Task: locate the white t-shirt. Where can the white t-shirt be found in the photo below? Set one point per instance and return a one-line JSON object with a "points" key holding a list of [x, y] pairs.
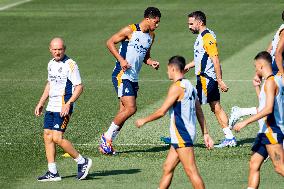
{"points": [[63, 76]]}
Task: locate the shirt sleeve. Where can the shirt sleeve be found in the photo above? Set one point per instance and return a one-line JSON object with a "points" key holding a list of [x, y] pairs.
{"points": [[210, 45], [74, 74]]}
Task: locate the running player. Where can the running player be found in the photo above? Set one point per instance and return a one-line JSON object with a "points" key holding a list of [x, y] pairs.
{"points": [[136, 41], [276, 50], [63, 88], [182, 101], [208, 72], [271, 116]]}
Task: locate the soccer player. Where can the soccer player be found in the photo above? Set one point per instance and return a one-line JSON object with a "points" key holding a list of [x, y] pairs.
{"points": [[182, 101], [136, 41], [63, 88], [208, 72], [276, 50], [270, 115]]}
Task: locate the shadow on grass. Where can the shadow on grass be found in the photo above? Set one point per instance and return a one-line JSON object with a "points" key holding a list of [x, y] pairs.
{"points": [[114, 172], [153, 149], [96, 174], [245, 141]]}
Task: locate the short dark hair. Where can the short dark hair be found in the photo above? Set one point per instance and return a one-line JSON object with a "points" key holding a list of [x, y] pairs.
{"points": [[177, 61], [152, 12], [198, 15], [264, 55], [283, 15]]}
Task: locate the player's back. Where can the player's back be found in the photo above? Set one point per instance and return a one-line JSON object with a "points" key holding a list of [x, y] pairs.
{"points": [[183, 114]]}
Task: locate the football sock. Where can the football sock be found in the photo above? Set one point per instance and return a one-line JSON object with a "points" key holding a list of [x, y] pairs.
{"points": [[228, 133], [52, 167], [248, 111], [250, 188], [80, 159], [113, 127], [114, 135]]}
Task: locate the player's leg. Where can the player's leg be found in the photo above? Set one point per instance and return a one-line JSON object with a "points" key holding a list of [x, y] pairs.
{"points": [[50, 150], [222, 118], [186, 157], [276, 154], [255, 163], [237, 113], [168, 168], [84, 164]]}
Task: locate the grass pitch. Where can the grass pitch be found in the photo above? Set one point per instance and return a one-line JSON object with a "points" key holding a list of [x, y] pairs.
{"points": [[242, 29]]}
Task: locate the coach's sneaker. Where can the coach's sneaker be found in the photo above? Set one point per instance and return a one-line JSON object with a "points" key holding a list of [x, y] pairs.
{"points": [[106, 146], [227, 142], [49, 176], [166, 140], [234, 117], [83, 169]]}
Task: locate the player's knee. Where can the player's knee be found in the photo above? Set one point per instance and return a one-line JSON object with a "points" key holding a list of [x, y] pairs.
{"points": [[190, 171], [253, 166], [167, 168], [47, 136], [57, 139], [132, 110]]}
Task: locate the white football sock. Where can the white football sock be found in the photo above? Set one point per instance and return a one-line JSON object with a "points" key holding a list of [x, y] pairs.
{"points": [[250, 188], [228, 133], [113, 127], [248, 111], [80, 159], [52, 167], [114, 135]]}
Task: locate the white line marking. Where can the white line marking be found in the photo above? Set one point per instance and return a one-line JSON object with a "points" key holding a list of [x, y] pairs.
{"points": [[109, 81], [13, 5], [90, 144]]}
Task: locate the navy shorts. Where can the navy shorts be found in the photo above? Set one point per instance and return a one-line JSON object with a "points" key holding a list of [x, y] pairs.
{"points": [[262, 139], [125, 87], [207, 89], [53, 121], [183, 145]]}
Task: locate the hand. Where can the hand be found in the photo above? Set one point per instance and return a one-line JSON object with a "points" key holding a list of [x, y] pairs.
{"points": [[209, 143], [38, 110], [65, 110], [139, 123], [223, 86], [239, 126], [256, 81], [186, 68], [155, 64], [124, 65]]}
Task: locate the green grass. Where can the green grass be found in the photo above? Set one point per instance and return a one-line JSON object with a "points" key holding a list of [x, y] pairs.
{"points": [[242, 29]]}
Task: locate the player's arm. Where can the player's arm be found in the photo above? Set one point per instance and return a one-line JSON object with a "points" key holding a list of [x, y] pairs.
{"points": [[218, 71], [123, 34], [148, 60], [44, 96], [210, 46], [78, 89], [270, 91], [189, 66], [269, 48], [279, 53], [200, 117], [173, 94]]}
